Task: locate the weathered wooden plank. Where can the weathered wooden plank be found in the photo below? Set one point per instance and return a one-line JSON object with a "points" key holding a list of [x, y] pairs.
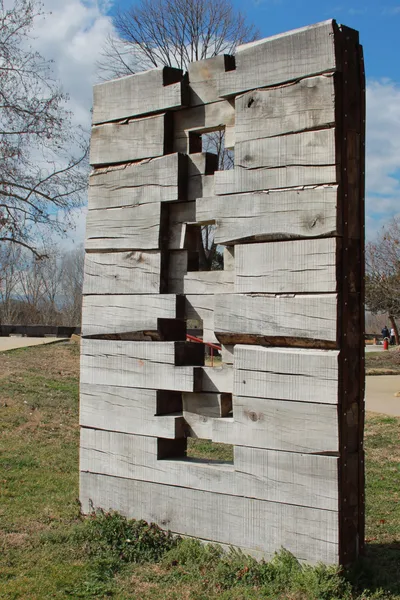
{"points": [[143, 93], [131, 410], [199, 120], [180, 214], [227, 354], [136, 139], [307, 149], [216, 379], [150, 365], [229, 258], [126, 228], [204, 76], [271, 216], [177, 269], [281, 58], [240, 180], [200, 308], [306, 317], [155, 180], [302, 375], [264, 474], [280, 425], [122, 273], [208, 282], [207, 405], [304, 266], [118, 314], [200, 186], [201, 168], [305, 104], [310, 534]]}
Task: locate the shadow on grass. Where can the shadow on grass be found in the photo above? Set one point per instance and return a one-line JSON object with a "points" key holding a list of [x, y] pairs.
{"points": [[378, 568]]}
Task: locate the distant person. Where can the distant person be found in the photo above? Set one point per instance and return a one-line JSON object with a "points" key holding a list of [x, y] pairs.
{"points": [[385, 332], [392, 337]]}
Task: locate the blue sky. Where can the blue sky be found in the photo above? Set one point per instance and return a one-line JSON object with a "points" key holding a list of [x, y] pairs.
{"points": [[76, 30]]}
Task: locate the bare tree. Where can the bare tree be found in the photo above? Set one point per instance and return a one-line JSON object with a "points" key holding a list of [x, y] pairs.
{"points": [[382, 282], [71, 269], [153, 33], [10, 262], [42, 156]]}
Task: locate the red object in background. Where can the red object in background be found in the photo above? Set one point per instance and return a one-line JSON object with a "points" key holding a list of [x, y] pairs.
{"points": [[386, 344]]}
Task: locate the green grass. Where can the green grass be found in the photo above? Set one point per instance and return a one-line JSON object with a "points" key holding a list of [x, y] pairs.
{"points": [[47, 550], [383, 362]]}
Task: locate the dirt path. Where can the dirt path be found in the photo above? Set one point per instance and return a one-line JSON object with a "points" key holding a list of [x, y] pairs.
{"points": [[380, 394], [10, 343]]}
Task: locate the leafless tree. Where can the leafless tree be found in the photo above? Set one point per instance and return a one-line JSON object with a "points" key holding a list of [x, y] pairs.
{"points": [[71, 269], [10, 259], [42, 156]]}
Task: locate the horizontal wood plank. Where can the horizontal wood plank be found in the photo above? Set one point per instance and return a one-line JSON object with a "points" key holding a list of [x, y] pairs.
{"points": [[271, 216], [301, 266], [305, 104], [122, 273], [208, 282], [180, 214], [216, 379], [302, 375], [310, 534], [204, 76], [207, 404], [151, 91], [201, 119]]}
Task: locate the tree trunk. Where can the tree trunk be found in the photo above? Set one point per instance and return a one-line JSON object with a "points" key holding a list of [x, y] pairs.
{"points": [[396, 331]]}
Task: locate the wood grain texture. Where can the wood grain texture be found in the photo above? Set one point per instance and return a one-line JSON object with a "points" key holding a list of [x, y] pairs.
{"points": [[199, 120], [227, 354], [271, 216], [152, 91], [208, 282], [204, 76], [280, 425], [304, 266], [242, 180], [116, 314], [127, 228], [180, 214], [305, 104], [281, 58], [264, 474], [207, 405], [310, 534], [130, 140], [122, 273], [301, 375], [312, 317], [129, 410], [308, 149], [149, 365], [216, 379], [154, 180]]}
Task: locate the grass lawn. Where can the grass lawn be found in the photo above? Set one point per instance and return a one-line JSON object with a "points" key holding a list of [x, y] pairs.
{"points": [[383, 362], [49, 551]]}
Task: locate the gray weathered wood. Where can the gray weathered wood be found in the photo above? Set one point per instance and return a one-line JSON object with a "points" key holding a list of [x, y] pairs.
{"points": [[199, 120], [180, 214], [302, 375], [280, 425], [227, 353], [240, 180], [285, 57], [200, 186], [229, 258], [151, 91], [149, 365], [310, 534], [115, 314], [122, 273], [204, 76], [130, 140], [308, 317], [207, 405], [126, 228], [307, 149], [264, 474], [129, 410], [305, 104], [271, 216], [208, 282], [201, 167], [177, 269], [304, 266], [216, 379], [154, 180]]}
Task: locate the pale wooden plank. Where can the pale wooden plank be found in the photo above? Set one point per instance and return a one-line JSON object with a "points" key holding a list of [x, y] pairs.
{"points": [[229, 258], [139, 94], [200, 308], [302, 375], [280, 425], [149, 365], [271, 216], [204, 76], [216, 379], [198, 426], [200, 186], [126, 228], [153, 180], [227, 353], [202, 163], [130, 140], [208, 282], [310, 534], [309, 317], [240, 180], [305, 104], [180, 214], [129, 410], [308, 149], [304, 266], [264, 474], [122, 273], [199, 120], [281, 58], [115, 314], [207, 405]]}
